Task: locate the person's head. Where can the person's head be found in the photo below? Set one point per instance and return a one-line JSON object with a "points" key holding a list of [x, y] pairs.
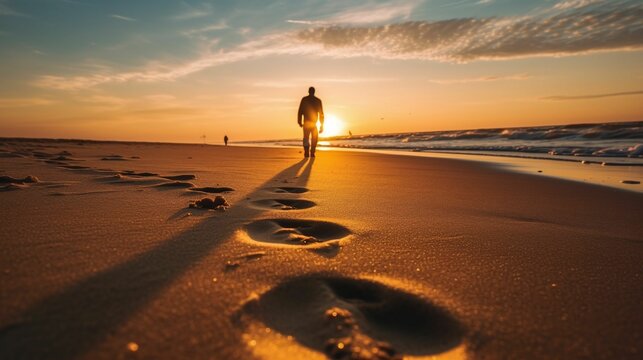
{"points": [[311, 90]]}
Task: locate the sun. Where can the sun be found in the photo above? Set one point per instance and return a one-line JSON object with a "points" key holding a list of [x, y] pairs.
{"points": [[333, 126]]}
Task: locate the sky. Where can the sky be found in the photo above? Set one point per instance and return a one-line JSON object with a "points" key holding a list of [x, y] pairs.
{"points": [[168, 70]]}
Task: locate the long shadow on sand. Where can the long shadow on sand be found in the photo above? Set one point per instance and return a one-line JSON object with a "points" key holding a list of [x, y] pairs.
{"points": [[69, 323]]}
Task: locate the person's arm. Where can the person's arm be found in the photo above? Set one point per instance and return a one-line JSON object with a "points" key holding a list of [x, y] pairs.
{"points": [[300, 112], [321, 117]]}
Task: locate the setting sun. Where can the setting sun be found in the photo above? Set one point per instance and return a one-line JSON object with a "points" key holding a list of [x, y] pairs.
{"points": [[333, 126]]}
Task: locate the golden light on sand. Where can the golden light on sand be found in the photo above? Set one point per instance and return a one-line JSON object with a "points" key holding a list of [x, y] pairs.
{"points": [[333, 126]]}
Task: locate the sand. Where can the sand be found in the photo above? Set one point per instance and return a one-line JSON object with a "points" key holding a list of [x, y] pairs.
{"points": [[350, 255]]}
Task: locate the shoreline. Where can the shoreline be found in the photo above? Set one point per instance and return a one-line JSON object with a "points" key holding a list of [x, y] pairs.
{"points": [[619, 176], [563, 169]]}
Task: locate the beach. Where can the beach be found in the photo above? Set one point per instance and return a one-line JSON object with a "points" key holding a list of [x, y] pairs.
{"points": [[347, 255]]}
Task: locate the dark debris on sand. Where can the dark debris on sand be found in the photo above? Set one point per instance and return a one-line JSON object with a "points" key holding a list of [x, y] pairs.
{"points": [[218, 203], [29, 179], [631, 182], [9, 183]]}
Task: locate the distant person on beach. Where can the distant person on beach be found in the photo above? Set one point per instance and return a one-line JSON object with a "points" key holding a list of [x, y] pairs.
{"points": [[311, 109], [225, 140]]}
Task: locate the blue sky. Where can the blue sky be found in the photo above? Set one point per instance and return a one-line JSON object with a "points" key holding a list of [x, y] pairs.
{"points": [[210, 65]]}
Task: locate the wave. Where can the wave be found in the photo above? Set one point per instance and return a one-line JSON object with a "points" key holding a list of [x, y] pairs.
{"points": [[627, 130], [608, 140]]}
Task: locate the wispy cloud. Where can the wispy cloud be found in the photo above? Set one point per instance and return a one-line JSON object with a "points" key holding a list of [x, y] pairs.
{"points": [[104, 100], [193, 12], [291, 83], [5, 10], [160, 98], [574, 4], [367, 14], [121, 17], [221, 25], [592, 96], [24, 102], [488, 78], [614, 26], [170, 111]]}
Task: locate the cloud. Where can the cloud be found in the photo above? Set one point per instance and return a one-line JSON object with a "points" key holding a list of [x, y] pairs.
{"points": [[221, 25], [121, 17], [592, 96], [305, 22], [268, 45], [193, 12], [24, 102], [160, 98], [167, 111], [104, 100], [367, 14], [308, 81], [5, 10], [614, 26], [574, 4], [480, 79]]}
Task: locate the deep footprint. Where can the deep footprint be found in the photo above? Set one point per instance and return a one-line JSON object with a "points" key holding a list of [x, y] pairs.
{"points": [[283, 204], [294, 231], [180, 177], [346, 318], [289, 190]]}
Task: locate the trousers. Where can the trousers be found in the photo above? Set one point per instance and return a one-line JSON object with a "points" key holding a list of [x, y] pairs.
{"points": [[310, 136]]}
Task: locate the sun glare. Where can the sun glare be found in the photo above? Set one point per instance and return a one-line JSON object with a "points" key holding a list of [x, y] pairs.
{"points": [[333, 126]]}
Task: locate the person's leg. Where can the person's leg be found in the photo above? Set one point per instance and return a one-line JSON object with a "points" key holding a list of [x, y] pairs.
{"points": [[306, 142], [314, 134]]}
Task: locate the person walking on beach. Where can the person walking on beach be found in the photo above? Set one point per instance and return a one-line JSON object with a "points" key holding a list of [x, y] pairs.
{"points": [[310, 108], [225, 140]]}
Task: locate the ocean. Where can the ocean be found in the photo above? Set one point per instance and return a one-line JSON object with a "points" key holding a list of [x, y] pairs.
{"points": [[607, 144]]}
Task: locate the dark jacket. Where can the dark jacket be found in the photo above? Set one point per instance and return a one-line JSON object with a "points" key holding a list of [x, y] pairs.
{"points": [[310, 107]]}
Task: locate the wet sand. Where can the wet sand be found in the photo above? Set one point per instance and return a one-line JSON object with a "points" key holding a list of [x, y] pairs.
{"points": [[349, 255]]}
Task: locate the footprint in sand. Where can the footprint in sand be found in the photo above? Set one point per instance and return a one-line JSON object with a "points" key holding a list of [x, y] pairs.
{"points": [[8, 183], [346, 318], [175, 185], [118, 179], [114, 158], [283, 204], [180, 177], [213, 190], [289, 190], [139, 174], [74, 167], [295, 232]]}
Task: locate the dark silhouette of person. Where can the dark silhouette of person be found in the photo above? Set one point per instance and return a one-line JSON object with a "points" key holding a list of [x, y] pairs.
{"points": [[310, 108], [225, 140]]}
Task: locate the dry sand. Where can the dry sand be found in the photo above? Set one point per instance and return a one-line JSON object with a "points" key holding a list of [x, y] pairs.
{"points": [[349, 255]]}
